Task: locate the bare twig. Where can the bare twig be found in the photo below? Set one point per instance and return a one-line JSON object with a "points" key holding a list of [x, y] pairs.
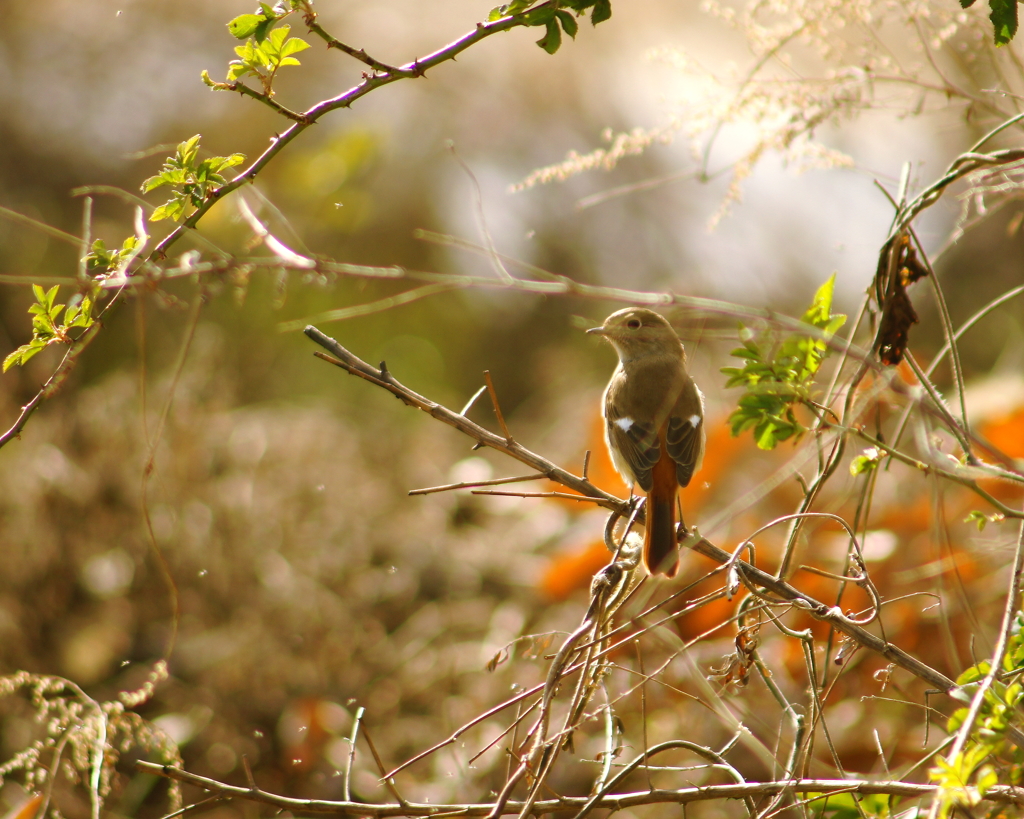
{"points": [[389, 782], [999, 794], [350, 759], [448, 487]]}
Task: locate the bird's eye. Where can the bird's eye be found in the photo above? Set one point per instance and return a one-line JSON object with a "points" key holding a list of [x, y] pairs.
{"points": [[633, 324]]}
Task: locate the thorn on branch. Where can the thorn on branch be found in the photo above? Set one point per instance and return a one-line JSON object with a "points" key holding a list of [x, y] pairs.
{"points": [[248, 774], [497, 407]]}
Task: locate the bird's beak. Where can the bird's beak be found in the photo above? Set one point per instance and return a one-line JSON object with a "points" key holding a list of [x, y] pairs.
{"points": [[598, 331]]}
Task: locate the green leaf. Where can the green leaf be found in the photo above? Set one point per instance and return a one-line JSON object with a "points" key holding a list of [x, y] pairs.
{"points": [[987, 779], [1003, 14], [244, 25], [23, 353], [866, 462], [821, 306], [552, 39], [569, 24], [973, 674], [169, 210], [236, 70], [540, 16], [294, 46], [276, 39], [47, 298], [155, 182], [978, 518], [766, 438], [602, 11], [187, 150], [260, 34], [246, 51]]}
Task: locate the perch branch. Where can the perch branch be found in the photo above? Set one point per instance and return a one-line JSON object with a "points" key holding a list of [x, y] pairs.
{"points": [[355, 366]]}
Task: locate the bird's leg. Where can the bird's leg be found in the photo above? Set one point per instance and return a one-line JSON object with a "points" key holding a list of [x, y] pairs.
{"points": [[680, 527]]}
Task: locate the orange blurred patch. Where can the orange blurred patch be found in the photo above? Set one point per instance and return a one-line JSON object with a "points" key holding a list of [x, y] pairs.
{"points": [[708, 618], [27, 809], [573, 570], [1006, 433], [905, 519]]}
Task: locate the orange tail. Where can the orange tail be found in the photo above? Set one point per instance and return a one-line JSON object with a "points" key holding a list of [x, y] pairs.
{"points": [[660, 541]]}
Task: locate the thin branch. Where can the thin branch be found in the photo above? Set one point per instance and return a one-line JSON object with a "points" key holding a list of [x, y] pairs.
{"points": [[28, 221], [378, 306], [259, 96], [448, 487], [563, 495], [1000, 794]]}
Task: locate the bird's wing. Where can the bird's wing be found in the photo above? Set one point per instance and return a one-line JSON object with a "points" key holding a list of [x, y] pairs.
{"points": [[637, 444], [684, 441]]}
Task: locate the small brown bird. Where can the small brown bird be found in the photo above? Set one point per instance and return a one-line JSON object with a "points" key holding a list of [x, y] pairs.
{"points": [[654, 422]]}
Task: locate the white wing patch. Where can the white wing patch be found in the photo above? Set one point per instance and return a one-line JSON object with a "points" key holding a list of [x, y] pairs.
{"points": [[694, 421], [625, 424]]}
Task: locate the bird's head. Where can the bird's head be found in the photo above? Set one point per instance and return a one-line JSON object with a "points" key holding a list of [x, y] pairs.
{"points": [[635, 332]]}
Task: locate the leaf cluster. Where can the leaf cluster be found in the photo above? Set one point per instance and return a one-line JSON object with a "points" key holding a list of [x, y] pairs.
{"points": [[191, 178], [1000, 709], [47, 328], [554, 17], [267, 49], [778, 376], [99, 260]]}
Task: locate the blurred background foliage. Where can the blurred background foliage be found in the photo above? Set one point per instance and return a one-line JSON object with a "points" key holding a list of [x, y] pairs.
{"points": [[309, 583]]}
